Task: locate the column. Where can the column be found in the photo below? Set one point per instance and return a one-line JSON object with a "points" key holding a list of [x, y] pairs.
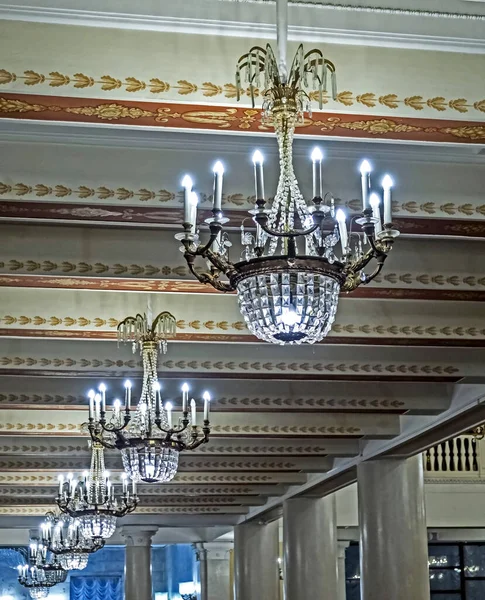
{"points": [[342, 591], [310, 548], [256, 561], [138, 561], [201, 555], [393, 537], [217, 570]]}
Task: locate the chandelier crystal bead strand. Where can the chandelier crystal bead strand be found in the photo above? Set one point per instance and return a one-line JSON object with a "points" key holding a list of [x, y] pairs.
{"points": [[151, 436], [292, 270]]}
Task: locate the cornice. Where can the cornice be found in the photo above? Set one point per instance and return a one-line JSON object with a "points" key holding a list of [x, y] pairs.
{"points": [[372, 25]]}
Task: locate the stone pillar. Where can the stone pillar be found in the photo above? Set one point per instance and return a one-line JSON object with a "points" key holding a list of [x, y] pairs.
{"points": [[393, 537], [217, 570], [201, 555], [310, 548], [256, 561], [138, 561], [342, 583]]}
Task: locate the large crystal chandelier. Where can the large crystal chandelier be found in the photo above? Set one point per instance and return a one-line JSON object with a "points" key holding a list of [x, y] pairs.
{"points": [[43, 571], [65, 538], [33, 578], [290, 274], [92, 500], [151, 437]]}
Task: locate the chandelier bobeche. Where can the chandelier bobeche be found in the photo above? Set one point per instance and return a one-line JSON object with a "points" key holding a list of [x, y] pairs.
{"points": [[150, 438], [290, 274], [93, 501]]}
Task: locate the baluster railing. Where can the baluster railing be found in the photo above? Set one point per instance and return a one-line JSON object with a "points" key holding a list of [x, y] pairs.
{"points": [[458, 458]]}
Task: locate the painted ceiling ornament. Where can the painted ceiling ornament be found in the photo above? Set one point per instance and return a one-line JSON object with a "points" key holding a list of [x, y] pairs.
{"points": [[290, 273], [151, 436]]}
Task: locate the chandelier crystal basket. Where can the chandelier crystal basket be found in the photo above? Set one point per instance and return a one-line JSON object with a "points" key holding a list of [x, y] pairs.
{"points": [[151, 437], [65, 538], [92, 501], [290, 274]]}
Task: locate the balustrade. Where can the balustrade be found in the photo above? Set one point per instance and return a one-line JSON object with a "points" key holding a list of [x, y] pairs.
{"points": [[459, 458]]}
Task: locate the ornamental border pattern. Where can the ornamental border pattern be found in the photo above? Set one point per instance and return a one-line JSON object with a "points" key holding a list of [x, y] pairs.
{"points": [[84, 192], [157, 86], [338, 328], [223, 118]]}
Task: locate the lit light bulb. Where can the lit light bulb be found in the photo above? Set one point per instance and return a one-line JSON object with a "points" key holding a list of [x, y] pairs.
{"points": [[187, 182], [317, 154], [290, 317], [206, 396], [374, 200], [128, 384], [102, 387], [156, 386], [91, 394], [340, 216], [387, 182], [218, 168], [117, 404], [194, 198], [168, 406], [258, 158], [185, 387], [365, 167]]}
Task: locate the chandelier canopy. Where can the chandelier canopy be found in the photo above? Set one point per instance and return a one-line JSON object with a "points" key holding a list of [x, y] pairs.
{"points": [[290, 274], [92, 501], [150, 438], [65, 538]]}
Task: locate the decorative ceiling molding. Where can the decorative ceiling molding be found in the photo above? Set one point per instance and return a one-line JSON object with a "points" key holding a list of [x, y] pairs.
{"points": [[371, 27], [242, 120]]}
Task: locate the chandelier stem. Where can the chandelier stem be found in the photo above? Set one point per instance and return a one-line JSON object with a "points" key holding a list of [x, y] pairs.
{"points": [[282, 37]]}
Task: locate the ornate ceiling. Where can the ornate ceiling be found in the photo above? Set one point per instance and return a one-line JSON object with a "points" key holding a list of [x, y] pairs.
{"points": [[94, 140]]}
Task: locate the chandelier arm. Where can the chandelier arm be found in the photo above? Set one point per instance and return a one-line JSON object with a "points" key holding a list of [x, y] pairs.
{"points": [[262, 218]]}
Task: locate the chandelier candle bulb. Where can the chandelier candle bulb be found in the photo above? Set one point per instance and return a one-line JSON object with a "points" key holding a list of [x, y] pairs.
{"points": [[317, 158], [168, 408], [193, 411], [102, 389], [187, 185], [158, 399], [342, 228], [217, 197], [194, 201], [387, 184], [375, 203], [207, 400], [60, 479], [97, 407], [258, 175], [365, 170], [91, 395], [127, 395], [124, 483], [185, 398]]}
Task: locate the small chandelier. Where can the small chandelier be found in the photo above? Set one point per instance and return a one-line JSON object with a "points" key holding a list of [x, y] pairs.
{"points": [[43, 560], [151, 439], [290, 274], [92, 501], [64, 537], [34, 579]]}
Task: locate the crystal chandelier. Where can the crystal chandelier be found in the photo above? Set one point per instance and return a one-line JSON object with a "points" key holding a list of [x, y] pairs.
{"points": [[48, 563], [33, 578], [290, 273], [65, 538], [91, 500], [151, 438]]}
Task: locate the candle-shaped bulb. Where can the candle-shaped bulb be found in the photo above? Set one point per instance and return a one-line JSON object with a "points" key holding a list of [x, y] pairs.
{"points": [[156, 386], [342, 228], [116, 405], [365, 167], [317, 158], [193, 201], [102, 388], [375, 203], [258, 158], [169, 408], [185, 397], [127, 394], [218, 171], [207, 399], [218, 168], [387, 184], [185, 387], [187, 182], [365, 170], [70, 476], [317, 155], [91, 394], [127, 384], [193, 411]]}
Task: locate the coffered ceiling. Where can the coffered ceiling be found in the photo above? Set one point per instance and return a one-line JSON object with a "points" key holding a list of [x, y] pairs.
{"points": [[94, 141]]}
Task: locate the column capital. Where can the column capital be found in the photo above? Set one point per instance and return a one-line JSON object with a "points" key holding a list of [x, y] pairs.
{"points": [[138, 535], [341, 548], [218, 550]]}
